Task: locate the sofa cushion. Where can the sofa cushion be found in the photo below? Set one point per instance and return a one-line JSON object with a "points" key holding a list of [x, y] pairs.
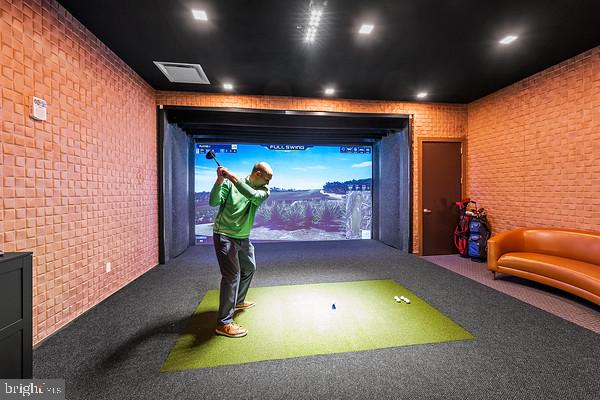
{"points": [[576, 273], [569, 243]]}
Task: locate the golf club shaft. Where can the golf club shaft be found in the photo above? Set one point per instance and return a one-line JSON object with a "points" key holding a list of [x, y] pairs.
{"points": [[211, 155], [224, 173]]}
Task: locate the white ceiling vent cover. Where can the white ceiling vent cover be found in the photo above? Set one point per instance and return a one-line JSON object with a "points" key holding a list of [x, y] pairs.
{"points": [[183, 73]]}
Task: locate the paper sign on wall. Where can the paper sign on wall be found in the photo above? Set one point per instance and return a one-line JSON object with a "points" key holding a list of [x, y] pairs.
{"points": [[38, 108]]}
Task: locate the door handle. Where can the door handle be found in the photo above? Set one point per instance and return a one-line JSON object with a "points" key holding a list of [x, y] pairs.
{"points": [[426, 211]]}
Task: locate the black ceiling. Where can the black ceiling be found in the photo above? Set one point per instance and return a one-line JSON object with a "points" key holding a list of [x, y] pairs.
{"points": [[448, 48]]}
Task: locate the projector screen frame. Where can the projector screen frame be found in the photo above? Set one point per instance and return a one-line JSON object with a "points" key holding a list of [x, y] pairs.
{"points": [[239, 125]]}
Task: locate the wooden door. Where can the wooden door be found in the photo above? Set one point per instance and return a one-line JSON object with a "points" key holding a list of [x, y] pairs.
{"points": [[441, 188]]}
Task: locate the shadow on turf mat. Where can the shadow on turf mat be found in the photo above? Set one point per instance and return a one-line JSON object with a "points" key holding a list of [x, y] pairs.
{"points": [[201, 325]]}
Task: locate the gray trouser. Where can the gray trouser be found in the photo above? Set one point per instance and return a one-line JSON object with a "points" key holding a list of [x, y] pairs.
{"points": [[236, 260]]}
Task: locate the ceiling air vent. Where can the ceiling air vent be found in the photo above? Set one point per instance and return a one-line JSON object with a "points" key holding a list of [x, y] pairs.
{"points": [[183, 73]]}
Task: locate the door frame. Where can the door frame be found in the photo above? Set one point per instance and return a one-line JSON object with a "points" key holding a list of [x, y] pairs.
{"points": [[463, 159]]}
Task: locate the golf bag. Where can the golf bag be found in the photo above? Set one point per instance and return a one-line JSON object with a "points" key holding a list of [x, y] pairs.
{"points": [[479, 233], [462, 230]]}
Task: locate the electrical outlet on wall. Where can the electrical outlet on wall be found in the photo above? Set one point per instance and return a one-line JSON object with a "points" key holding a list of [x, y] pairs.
{"points": [[108, 267]]}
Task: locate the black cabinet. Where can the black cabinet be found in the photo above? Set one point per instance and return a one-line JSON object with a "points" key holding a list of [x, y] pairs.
{"points": [[15, 316]]}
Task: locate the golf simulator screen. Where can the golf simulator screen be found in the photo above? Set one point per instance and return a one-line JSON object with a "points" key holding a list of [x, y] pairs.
{"points": [[317, 192]]}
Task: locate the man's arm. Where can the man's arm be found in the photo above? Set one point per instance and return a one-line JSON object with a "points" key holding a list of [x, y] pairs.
{"points": [[219, 191], [255, 196]]}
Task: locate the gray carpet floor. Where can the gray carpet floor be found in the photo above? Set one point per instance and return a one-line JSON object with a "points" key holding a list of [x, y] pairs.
{"points": [[115, 350]]}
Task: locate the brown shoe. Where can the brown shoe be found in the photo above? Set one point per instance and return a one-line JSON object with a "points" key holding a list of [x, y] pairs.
{"points": [[231, 330], [245, 305]]}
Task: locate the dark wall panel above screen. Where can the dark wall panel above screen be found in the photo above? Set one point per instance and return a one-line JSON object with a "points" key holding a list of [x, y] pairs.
{"points": [[256, 126]]}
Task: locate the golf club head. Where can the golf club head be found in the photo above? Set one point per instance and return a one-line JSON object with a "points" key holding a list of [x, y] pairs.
{"points": [[210, 155]]}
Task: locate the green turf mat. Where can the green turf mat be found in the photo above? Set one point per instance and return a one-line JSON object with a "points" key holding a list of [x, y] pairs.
{"points": [[298, 321]]}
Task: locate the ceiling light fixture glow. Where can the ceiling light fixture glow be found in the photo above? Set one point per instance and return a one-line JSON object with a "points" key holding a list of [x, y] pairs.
{"points": [[366, 29], [329, 91], [200, 15], [509, 39], [313, 24], [422, 95], [228, 86]]}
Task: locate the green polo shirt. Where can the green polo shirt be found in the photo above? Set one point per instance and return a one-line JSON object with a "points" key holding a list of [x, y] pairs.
{"points": [[237, 206]]}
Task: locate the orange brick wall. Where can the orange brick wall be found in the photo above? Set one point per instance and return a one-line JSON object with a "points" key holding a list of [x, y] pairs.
{"points": [[534, 148], [429, 119], [81, 188]]}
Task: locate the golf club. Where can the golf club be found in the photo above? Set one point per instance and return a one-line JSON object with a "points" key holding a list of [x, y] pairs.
{"points": [[210, 155]]}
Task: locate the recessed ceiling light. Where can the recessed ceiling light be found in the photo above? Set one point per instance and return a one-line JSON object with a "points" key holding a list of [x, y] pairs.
{"points": [[200, 15], [228, 86], [329, 91], [313, 24], [422, 95], [365, 29], [508, 39]]}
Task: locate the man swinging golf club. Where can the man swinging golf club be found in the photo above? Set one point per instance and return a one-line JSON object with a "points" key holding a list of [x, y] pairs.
{"points": [[238, 200]]}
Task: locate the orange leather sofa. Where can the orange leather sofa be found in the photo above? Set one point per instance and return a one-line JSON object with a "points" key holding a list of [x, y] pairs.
{"points": [[566, 259]]}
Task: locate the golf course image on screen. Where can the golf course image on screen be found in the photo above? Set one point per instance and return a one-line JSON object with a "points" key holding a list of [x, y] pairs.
{"points": [[317, 192]]}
